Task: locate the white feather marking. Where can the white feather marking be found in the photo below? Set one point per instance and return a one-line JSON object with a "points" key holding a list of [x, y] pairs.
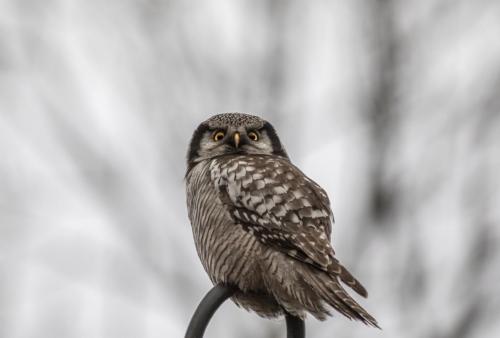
{"points": [[233, 167], [261, 209], [315, 213], [254, 200], [305, 202], [260, 184], [294, 218], [277, 199], [269, 204], [257, 176], [268, 180], [281, 211], [280, 189], [241, 173], [246, 181], [233, 191]]}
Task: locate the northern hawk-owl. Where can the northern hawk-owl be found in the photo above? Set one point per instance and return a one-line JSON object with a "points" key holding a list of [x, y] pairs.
{"points": [[263, 226]]}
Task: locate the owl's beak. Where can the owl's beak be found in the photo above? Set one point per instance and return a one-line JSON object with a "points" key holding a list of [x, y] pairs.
{"points": [[236, 139]]}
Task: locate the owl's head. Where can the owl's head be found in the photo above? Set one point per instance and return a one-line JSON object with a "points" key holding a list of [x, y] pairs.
{"points": [[233, 133]]}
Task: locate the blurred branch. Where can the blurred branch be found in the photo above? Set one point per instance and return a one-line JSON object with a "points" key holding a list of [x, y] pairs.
{"points": [[381, 112]]}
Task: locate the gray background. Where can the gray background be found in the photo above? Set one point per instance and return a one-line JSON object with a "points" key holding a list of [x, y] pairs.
{"points": [[393, 107]]}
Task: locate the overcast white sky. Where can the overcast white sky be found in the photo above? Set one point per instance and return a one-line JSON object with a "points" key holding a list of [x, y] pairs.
{"points": [[393, 108]]}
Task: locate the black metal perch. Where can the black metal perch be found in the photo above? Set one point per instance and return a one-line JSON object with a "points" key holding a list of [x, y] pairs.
{"points": [[295, 327]]}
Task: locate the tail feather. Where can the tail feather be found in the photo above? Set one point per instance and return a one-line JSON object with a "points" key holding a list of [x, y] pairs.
{"points": [[352, 282], [324, 292], [330, 290], [339, 270], [361, 314]]}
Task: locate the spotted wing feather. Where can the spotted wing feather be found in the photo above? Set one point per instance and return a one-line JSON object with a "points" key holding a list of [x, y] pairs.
{"points": [[282, 207]]}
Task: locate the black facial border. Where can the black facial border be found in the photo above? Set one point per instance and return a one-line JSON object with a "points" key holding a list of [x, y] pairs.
{"points": [[195, 142], [275, 141]]}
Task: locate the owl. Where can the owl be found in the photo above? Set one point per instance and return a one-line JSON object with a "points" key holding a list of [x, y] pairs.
{"points": [[261, 225]]}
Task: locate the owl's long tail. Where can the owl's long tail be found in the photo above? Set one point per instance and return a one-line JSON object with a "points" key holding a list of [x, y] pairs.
{"points": [[331, 291], [337, 269]]}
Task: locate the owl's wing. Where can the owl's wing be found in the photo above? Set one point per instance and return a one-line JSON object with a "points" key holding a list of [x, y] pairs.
{"points": [[282, 207]]}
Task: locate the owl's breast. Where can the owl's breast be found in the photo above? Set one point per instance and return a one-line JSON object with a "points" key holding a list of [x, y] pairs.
{"points": [[227, 252]]}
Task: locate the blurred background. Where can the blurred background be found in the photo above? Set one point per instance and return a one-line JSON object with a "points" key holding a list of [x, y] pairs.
{"points": [[394, 108]]}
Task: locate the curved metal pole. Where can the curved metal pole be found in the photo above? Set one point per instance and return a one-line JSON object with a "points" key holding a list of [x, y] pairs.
{"points": [[204, 312], [295, 327]]}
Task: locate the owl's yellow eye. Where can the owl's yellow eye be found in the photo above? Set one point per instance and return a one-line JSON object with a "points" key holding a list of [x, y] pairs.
{"points": [[253, 136], [218, 136]]}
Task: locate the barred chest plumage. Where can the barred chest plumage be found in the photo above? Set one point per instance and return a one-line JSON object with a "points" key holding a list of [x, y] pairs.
{"points": [[223, 247]]}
